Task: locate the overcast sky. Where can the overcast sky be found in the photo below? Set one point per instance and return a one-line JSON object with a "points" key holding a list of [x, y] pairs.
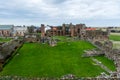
{"points": [[56, 12]]}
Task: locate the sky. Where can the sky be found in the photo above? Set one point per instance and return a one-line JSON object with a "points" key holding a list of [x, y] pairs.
{"points": [[56, 12]]}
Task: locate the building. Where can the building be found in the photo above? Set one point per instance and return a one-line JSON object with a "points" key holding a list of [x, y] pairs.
{"points": [[19, 30], [6, 30]]}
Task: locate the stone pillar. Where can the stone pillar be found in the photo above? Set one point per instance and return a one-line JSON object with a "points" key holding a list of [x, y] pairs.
{"points": [[63, 29], [53, 31], [108, 31], [75, 30], [42, 30], [71, 30], [60, 33]]}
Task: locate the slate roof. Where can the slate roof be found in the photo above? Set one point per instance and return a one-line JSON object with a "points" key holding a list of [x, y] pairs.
{"points": [[6, 27]]}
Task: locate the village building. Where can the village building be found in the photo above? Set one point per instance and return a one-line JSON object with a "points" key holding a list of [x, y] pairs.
{"points": [[19, 30], [6, 30]]}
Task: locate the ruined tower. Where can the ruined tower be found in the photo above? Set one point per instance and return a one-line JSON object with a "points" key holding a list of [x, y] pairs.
{"points": [[71, 30], [63, 29], [42, 30]]}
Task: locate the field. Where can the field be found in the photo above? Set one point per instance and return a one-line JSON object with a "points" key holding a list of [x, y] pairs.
{"points": [[115, 37], [41, 60]]}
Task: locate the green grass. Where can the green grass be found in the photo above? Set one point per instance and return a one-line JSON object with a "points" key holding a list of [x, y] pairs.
{"points": [[41, 60], [115, 37], [108, 63], [61, 38], [116, 40], [5, 39]]}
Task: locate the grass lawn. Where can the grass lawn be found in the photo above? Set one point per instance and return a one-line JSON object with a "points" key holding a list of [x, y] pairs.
{"points": [[108, 63], [115, 37], [5, 39], [41, 60], [61, 38]]}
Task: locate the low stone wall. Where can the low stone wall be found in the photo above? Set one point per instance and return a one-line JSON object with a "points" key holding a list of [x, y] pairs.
{"points": [[69, 77], [7, 49], [90, 53], [113, 54]]}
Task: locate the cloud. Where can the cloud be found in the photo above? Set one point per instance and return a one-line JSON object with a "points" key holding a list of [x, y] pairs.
{"points": [[74, 8], [62, 10]]}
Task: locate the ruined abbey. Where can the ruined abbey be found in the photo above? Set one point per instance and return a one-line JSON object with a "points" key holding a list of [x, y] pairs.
{"points": [[97, 37]]}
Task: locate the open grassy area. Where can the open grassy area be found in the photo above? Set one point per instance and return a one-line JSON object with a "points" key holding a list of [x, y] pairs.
{"points": [[5, 39], [61, 38], [41, 60], [108, 63], [115, 37]]}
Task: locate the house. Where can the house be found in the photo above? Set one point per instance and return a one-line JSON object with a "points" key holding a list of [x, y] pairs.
{"points": [[6, 30], [19, 30]]}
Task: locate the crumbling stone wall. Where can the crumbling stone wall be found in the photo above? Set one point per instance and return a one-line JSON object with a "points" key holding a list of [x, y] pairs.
{"points": [[77, 30], [80, 31], [32, 37], [42, 30], [97, 35], [114, 54], [7, 49]]}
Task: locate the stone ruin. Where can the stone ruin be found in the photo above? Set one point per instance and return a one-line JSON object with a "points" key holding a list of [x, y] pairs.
{"points": [[112, 76], [80, 31], [42, 38], [106, 48], [67, 30], [31, 37], [94, 52], [97, 35], [37, 38], [115, 56], [52, 42], [68, 77], [7, 49]]}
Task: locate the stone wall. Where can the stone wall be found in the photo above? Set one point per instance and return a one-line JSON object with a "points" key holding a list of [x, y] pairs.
{"points": [[97, 35], [32, 37], [7, 49], [114, 54], [67, 30]]}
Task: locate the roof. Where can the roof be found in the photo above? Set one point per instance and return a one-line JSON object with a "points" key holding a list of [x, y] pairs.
{"points": [[6, 27], [54, 28]]}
